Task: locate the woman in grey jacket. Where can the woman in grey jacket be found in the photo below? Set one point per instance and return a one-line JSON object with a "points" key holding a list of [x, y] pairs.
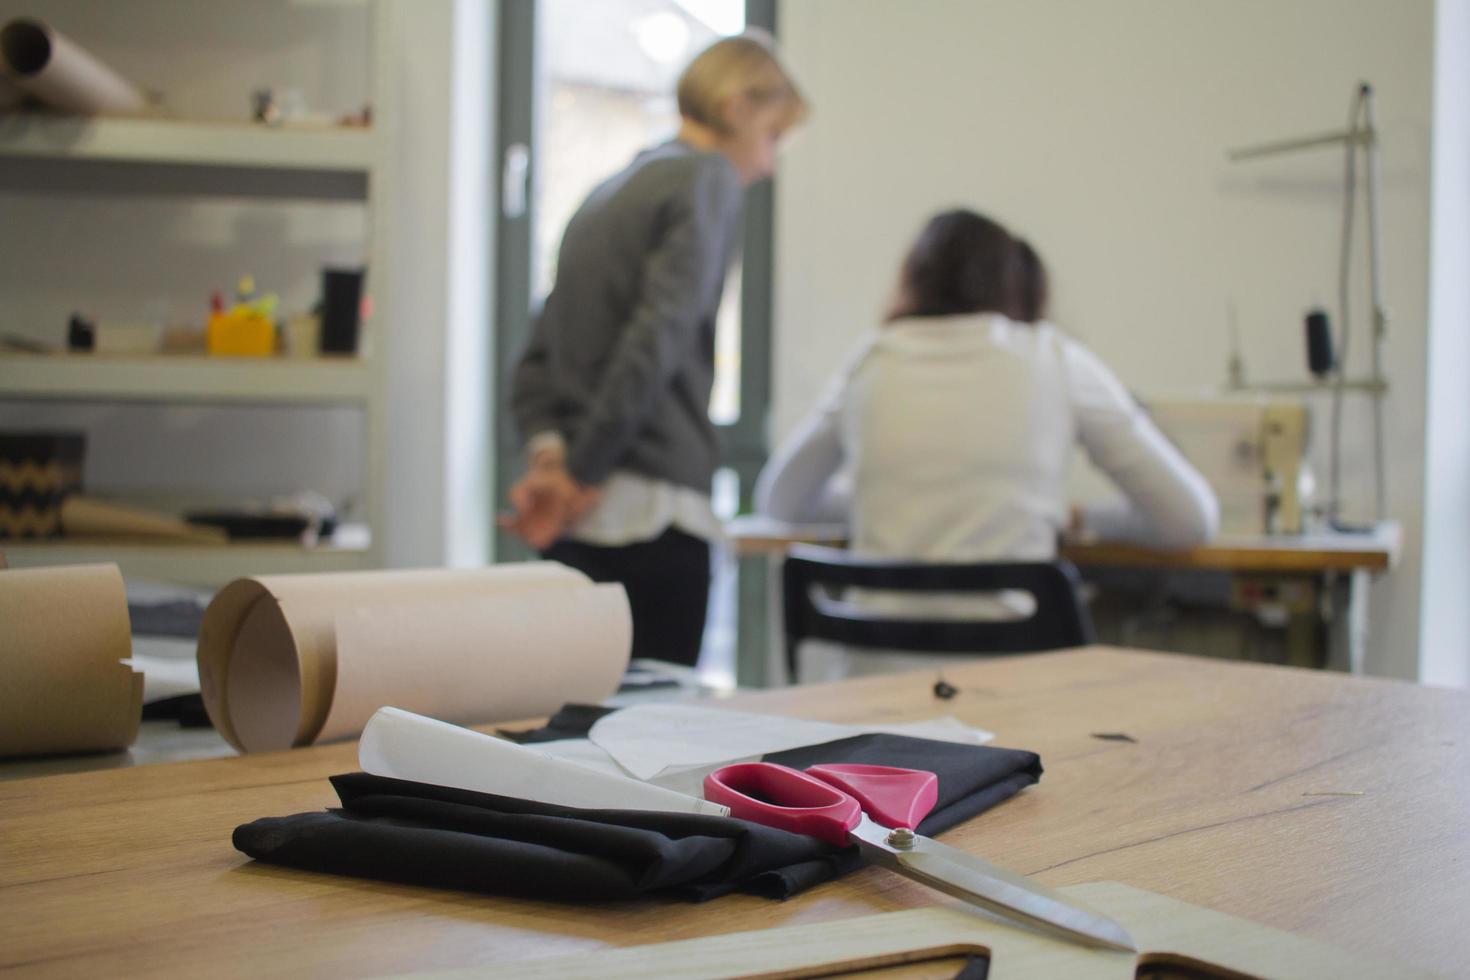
{"points": [[612, 392]]}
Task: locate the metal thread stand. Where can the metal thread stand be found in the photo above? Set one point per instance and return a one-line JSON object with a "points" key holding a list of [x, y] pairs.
{"points": [[1361, 133]]}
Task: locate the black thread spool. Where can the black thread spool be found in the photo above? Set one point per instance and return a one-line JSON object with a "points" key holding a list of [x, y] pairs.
{"points": [[1320, 357], [341, 301]]}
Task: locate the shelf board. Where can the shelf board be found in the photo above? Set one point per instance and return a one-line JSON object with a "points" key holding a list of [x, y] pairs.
{"points": [[188, 143], [204, 566], [270, 380]]}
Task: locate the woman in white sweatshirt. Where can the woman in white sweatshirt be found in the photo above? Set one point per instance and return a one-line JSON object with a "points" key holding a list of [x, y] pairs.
{"points": [[954, 423]]}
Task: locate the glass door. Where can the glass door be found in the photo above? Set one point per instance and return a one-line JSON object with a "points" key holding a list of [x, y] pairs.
{"points": [[585, 85]]}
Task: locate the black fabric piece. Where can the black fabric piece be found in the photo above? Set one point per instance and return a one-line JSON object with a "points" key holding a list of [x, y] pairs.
{"points": [[975, 968], [178, 618], [187, 709], [572, 721], [418, 834]]}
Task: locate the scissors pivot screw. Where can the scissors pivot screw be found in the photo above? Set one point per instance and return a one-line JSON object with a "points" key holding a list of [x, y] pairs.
{"points": [[901, 837]]}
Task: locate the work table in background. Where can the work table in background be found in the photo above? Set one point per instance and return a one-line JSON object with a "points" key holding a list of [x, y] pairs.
{"points": [[1374, 551], [1322, 804], [1315, 586]]}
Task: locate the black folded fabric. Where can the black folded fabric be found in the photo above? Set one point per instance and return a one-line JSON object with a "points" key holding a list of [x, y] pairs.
{"points": [[415, 833]]}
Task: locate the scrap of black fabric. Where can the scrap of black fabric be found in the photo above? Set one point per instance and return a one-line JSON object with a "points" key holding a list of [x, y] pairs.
{"points": [[187, 709], [572, 721], [420, 834], [975, 968], [179, 618]]}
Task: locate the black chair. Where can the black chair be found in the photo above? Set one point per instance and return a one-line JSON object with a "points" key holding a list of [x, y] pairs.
{"points": [[1060, 618]]}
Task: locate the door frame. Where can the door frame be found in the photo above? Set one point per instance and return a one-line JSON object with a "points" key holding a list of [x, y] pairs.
{"points": [[744, 443]]}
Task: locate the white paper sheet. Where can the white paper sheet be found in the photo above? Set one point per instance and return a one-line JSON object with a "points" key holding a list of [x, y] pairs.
{"points": [[168, 666], [655, 740], [403, 745]]}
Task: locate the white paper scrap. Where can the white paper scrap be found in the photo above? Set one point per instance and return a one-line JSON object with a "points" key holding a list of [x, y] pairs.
{"points": [[649, 740], [403, 745]]}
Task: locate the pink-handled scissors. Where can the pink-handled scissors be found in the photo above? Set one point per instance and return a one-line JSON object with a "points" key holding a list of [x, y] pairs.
{"points": [[877, 808]]}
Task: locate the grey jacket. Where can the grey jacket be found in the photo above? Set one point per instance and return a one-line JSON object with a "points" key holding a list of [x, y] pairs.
{"points": [[621, 358]]}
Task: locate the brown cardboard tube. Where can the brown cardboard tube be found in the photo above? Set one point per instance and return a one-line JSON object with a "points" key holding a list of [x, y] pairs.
{"points": [[288, 660], [61, 74], [63, 633]]}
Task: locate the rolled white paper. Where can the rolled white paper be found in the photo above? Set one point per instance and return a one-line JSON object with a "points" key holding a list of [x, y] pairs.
{"points": [[402, 745]]}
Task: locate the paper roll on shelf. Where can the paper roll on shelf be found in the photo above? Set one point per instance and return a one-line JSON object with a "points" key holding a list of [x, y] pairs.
{"points": [[88, 517], [62, 75], [289, 660], [63, 635]]}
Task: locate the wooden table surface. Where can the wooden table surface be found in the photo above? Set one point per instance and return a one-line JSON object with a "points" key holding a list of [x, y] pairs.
{"points": [[1281, 554], [1324, 804]]}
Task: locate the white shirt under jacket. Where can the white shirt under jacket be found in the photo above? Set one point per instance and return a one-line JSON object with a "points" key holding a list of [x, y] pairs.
{"points": [[957, 433]]}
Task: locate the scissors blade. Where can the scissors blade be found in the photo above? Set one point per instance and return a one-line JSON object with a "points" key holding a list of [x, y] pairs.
{"points": [[979, 882]]}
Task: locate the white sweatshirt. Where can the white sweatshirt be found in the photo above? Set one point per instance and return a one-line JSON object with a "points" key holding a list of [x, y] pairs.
{"points": [[957, 433]]}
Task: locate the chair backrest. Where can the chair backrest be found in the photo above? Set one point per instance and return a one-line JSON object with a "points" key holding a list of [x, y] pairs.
{"points": [[1059, 620]]}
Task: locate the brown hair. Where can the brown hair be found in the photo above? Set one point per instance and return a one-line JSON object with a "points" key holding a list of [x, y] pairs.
{"points": [[962, 262], [1032, 287], [745, 64]]}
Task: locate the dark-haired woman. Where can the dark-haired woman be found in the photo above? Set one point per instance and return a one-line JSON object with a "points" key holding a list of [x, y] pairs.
{"points": [[954, 423]]}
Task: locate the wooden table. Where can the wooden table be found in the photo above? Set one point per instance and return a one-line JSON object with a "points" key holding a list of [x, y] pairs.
{"points": [[1339, 565], [1372, 552], [1319, 803]]}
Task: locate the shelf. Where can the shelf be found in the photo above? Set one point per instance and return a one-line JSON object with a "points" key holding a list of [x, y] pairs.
{"points": [[93, 377], [187, 143], [204, 566]]}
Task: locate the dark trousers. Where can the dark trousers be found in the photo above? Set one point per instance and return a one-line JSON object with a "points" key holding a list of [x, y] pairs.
{"points": [[667, 580]]}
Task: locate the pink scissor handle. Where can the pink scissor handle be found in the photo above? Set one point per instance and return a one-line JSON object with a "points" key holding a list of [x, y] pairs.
{"points": [[893, 797], [784, 798]]}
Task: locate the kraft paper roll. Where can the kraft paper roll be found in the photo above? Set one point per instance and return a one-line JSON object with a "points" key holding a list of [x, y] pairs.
{"points": [[86, 517], [63, 633], [61, 74], [288, 660]]}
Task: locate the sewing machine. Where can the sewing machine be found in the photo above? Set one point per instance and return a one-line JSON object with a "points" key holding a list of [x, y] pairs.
{"points": [[1251, 451]]}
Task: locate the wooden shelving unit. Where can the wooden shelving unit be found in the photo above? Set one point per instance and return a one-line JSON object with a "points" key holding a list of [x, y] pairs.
{"points": [[189, 143], [199, 566], [225, 159], [87, 377]]}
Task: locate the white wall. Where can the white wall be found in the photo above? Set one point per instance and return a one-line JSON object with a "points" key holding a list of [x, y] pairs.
{"points": [[1446, 613], [418, 83], [1099, 131], [439, 449]]}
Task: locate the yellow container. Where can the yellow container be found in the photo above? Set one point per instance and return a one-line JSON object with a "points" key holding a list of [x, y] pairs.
{"points": [[241, 333]]}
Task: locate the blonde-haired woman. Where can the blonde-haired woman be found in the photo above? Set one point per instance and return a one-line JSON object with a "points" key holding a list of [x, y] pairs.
{"points": [[611, 395]]}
